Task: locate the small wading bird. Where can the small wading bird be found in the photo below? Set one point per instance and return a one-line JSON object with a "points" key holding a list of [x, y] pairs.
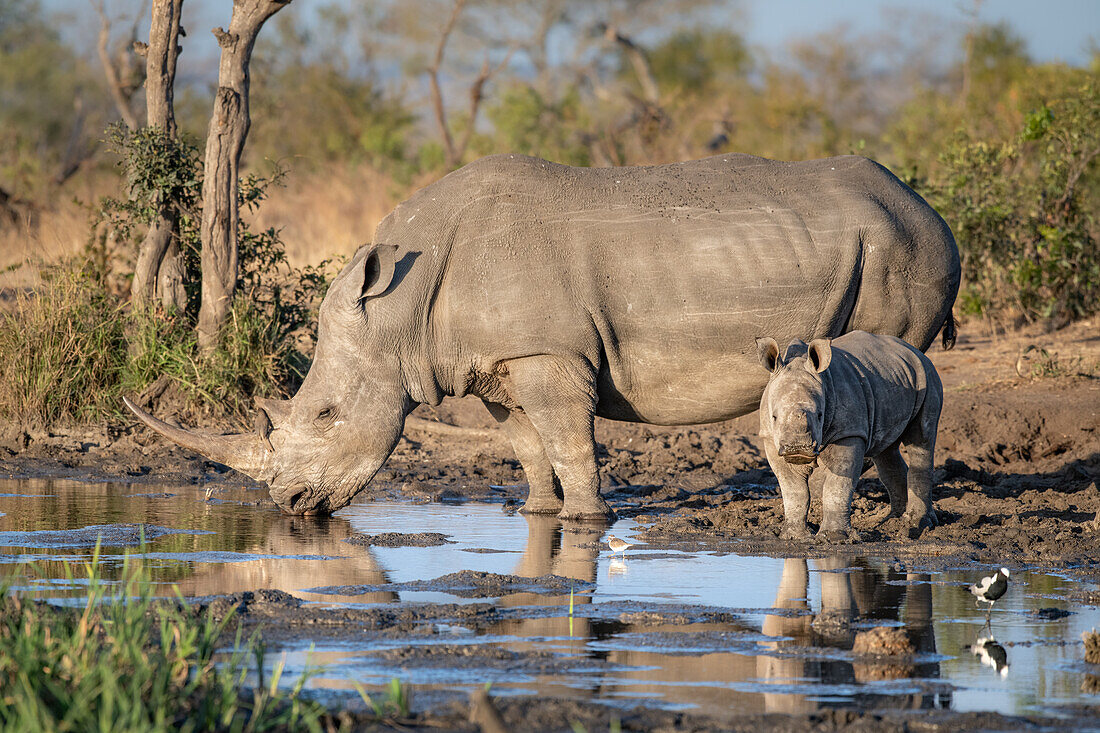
{"points": [[991, 654], [618, 545], [990, 588]]}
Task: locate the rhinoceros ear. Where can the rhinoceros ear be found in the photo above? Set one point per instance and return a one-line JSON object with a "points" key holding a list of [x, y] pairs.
{"points": [[769, 353], [819, 355], [378, 267]]}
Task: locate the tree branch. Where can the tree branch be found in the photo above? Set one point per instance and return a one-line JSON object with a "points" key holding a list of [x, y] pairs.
{"points": [[119, 94], [638, 61], [433, 81]]}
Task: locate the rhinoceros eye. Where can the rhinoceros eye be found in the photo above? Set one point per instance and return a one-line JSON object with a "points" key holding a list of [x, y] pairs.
{"points": [[326, 414]]}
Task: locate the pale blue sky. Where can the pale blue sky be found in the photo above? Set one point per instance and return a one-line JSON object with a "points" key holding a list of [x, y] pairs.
{"points": [[1054, 30]]}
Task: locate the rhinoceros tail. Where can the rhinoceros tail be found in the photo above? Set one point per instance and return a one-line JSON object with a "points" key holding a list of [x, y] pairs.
{"points": [[950, 332]]}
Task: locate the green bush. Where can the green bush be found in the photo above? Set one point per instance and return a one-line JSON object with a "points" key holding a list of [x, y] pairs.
{"points": [[1023, 211], [61, 350], [70, 350]]}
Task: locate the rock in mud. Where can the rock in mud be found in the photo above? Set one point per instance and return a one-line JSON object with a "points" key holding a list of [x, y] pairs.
{"points": [[883, 641], [108, 535], [1092, 646], [472, 584], [1050, 613]]}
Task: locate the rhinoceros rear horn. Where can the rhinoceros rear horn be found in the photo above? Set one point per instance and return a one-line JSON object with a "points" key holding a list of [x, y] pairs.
{"points": [[243, 452]]}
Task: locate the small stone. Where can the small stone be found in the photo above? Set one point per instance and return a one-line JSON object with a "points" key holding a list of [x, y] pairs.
{"points": [[883, 641]]}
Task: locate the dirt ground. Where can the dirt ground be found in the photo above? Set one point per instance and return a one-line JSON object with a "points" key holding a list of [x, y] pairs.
{"points": [[1017, 483]]}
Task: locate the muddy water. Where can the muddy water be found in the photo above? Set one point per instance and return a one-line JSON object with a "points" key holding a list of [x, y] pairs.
{"points": [[709, 631]]}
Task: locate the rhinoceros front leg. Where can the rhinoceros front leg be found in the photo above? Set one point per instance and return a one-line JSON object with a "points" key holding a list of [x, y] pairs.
{"points": [[559, 398], [843, 465], [545, 494], [794, 487]]}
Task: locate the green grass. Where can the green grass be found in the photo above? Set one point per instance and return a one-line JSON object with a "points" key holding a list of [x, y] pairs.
{"points": [[130, 662]]}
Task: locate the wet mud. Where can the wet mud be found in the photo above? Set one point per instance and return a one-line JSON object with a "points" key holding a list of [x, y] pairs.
{"points": [[470, 584]]}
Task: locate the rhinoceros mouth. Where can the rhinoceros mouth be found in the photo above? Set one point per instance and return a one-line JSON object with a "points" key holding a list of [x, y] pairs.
{"points": [[798, 454]]}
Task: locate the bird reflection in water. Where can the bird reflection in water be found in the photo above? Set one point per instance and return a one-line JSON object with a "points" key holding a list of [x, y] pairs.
{"points": [[991, 654]]}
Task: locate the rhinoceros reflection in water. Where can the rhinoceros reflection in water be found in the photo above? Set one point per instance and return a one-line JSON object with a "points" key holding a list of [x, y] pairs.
{"points": [[849, 591], [703, 680], [287, 538]]}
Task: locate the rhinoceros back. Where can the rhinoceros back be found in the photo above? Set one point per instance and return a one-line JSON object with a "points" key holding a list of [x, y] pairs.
{"points": [[662, 277]]}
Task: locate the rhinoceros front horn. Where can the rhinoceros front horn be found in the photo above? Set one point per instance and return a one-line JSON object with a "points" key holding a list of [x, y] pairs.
{"points": [[243, 452]]}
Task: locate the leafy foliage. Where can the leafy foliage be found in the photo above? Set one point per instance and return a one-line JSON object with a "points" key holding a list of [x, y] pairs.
{"points": [[1020, 212]]}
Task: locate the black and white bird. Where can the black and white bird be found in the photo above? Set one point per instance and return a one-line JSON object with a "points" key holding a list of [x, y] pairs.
{"points": [[990, 588], [991, 654]]}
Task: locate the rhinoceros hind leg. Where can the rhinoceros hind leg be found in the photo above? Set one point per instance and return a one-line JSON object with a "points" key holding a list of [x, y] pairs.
{"points": [[559, 398], [544, 495], [919, 514], [892, 472]]}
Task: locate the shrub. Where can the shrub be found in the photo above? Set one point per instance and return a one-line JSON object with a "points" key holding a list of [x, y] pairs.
{"points": [[1023, 213], [60, 350]]}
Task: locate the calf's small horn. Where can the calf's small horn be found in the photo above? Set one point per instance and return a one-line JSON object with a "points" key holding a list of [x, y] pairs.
{"points": [[243, 452]]}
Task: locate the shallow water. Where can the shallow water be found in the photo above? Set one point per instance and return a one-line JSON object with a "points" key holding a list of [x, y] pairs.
{"points": [[786, 646]]}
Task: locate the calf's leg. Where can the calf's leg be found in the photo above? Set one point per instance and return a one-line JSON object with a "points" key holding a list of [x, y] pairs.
{"points": [[920, 445], [794, 487], [893, 471], [843, 464], [919, 513]]}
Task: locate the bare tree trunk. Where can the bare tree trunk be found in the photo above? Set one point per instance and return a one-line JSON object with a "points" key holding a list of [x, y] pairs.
{"points": [[158, 271], [225, 140], [451, 156]]}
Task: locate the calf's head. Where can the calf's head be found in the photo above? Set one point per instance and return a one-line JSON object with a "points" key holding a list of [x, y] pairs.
{"points": [[792, 409], [317, 450]]}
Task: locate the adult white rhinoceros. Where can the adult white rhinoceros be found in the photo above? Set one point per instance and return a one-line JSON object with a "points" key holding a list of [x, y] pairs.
{"points": [[556, 294]]}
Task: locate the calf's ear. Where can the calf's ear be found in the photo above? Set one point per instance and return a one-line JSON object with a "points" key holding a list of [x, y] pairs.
{"points": [[769, 353], [819, 355], [378, 267]]}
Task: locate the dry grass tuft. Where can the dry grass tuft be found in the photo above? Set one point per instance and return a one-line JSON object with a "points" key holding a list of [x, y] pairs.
{"points": [[1092, 646], [330, 213]]}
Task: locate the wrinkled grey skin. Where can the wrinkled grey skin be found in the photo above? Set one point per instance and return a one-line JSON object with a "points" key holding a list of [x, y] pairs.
{"points": [[556, 294], [829, 404]]}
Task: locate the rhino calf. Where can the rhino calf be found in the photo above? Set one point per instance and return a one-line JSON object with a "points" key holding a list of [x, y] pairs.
{"points": [[834, 402]]}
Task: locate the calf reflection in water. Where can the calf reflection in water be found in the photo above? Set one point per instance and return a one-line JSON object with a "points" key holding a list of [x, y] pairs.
{"points": [[849, 592]]}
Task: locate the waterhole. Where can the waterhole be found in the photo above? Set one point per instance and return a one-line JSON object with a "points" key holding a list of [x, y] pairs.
{"points": [[707, 630]]}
